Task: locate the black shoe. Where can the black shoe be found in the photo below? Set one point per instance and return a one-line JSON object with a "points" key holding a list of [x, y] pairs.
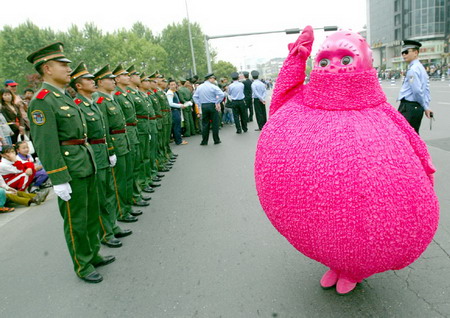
{"points": [[239, 132], [174, 155], [146, 198], [203, 144], [112, 243], [258, 129], [160, 175], [250, 120], [156, 179], [169, 164], [148, 189], [155, 185], [106, 260], [123, 233], [93, 278], [164, 170], [245, 130], [217, 142], [136, 212], [140, 203], [128, 219]]}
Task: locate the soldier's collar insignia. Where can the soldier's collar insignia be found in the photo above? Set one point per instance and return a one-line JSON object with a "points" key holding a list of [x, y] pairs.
{"points": [[87, 104], [65, 107], [56, 94], [90, 114], [38, 117], [108, 99]]}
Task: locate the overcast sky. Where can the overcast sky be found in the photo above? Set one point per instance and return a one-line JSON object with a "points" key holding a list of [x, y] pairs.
{"points": [[215, 18]]}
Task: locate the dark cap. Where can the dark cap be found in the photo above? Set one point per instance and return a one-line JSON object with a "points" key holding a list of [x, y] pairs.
{"points": [[255, 74], [153, 75], [160, 75], [144, 77], [80, 72], [245, 73], [410, 44], [132, 70], [50, 52], [234, 75], [103, 73], [119, 70], [209, 75], [10, 83]]}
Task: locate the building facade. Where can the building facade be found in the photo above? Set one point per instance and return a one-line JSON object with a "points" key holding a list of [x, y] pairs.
{"points": [[391, 21]]}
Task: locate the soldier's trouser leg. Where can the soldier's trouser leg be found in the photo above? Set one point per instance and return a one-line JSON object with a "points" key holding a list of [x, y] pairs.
{"points": [[161, 154], [153, 152], [167, 129], [136, 173], [130, 176], [123, 185], [106, 227], [81, 224], [112, 203], [144, 177], [191, 121], [187, 123]]}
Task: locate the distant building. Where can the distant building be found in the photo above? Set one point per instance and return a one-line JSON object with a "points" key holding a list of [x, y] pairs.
{"points": [[271, 68], [391, 21]]}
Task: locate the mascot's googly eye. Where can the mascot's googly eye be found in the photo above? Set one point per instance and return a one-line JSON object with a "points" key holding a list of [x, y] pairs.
{"points": [[346, 60], [324, 62]]}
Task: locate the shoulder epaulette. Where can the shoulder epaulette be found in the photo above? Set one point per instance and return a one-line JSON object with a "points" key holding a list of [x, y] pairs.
{"points": [[128, 91], [42, 94], [77, 101], [148, 93], [155, 90], [100, 100], [117, 93]]}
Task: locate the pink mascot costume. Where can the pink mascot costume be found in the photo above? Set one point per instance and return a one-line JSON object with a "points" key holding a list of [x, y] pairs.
{"points": [[339, 172]]}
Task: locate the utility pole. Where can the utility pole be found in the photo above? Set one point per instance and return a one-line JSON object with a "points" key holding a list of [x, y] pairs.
{"points": [[190, 40]]}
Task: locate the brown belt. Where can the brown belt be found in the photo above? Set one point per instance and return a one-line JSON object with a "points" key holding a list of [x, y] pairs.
{"points": [[131, 124], [152, 118], [117, 131], [97, 141], [73, 142], [143, 117], [158, 116], [165, 110]]}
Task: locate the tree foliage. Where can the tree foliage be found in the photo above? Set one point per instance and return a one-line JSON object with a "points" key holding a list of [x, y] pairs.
{"points": [[169, 52], [223, 69]]}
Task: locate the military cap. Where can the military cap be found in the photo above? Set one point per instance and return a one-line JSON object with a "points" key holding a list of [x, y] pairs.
{"points": [[410, 44], [160, 76], [132, 70], [153, 75], [234, 75], [255, 74], [80, 72], [50, 52], [119, 70], [103, 73], [144, 77], [209, 75], [245, 73], [182, 80]]}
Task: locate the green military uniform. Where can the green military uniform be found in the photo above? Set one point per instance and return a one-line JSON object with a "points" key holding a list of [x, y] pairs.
{"points": [[59, 134], [118, 139], [186, 96], [97, 137], [167, 121], [125, 101]]}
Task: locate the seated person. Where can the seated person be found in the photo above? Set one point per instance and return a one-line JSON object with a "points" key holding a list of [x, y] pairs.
{"points": [[17, 175], [41, 175], [3, 208], [21, 197]]}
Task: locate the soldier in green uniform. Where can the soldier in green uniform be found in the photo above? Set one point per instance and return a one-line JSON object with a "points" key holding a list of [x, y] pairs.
{"points": [[118, 138], [186, 98], [126, 102], [98, 135], [59, 135]]}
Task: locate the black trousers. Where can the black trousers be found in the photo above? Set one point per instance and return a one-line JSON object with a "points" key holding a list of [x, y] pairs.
{"points": [[249, 104], [210, 115], [240, 115], [413, 113], [176, 125], [260, 112]]}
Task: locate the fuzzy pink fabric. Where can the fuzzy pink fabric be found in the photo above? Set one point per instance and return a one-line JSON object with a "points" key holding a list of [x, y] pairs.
{"points": [[344, 177]]}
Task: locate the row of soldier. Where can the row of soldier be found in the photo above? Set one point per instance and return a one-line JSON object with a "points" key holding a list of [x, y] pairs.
{"points": [[104, 150]]}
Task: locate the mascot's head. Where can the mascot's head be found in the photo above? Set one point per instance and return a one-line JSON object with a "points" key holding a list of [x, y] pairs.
{"points": [[344, 52]]}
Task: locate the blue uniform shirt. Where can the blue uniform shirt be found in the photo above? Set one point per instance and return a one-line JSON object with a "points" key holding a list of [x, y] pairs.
{"points": [[259, 90], [236, 90], [415, 85], [208, 93]]}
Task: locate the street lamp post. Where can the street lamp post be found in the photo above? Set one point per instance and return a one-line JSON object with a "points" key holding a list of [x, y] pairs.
{"points": [[287, 31]]}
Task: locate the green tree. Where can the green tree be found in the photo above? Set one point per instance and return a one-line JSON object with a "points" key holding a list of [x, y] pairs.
{"points": [[223, 69]]}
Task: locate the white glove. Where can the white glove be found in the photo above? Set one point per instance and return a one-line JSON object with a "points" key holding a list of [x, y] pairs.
{"points": [[188, 104], [112, 160], [63, 191]]}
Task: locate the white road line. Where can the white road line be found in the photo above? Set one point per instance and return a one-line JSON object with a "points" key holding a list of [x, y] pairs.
{"points": [[444, 103]]}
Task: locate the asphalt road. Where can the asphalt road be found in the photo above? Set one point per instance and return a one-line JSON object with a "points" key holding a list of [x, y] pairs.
{"points": [[204, 248]]}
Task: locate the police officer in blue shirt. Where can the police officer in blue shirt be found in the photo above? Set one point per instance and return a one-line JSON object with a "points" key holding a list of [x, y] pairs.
{"points": [[236, 94], [414, 95], [208, 96], [259, 100]]}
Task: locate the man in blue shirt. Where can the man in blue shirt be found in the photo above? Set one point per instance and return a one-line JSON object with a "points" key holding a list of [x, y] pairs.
{"points": [[259, 100], [236, 94], [414, 95], [208, 96]]}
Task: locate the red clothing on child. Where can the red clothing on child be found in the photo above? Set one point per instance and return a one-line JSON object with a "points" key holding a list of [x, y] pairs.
{"points": [[14, 173]]}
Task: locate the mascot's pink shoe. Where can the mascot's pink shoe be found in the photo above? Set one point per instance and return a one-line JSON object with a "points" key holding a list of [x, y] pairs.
{"points": [[344, 286], [329, 279]]}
